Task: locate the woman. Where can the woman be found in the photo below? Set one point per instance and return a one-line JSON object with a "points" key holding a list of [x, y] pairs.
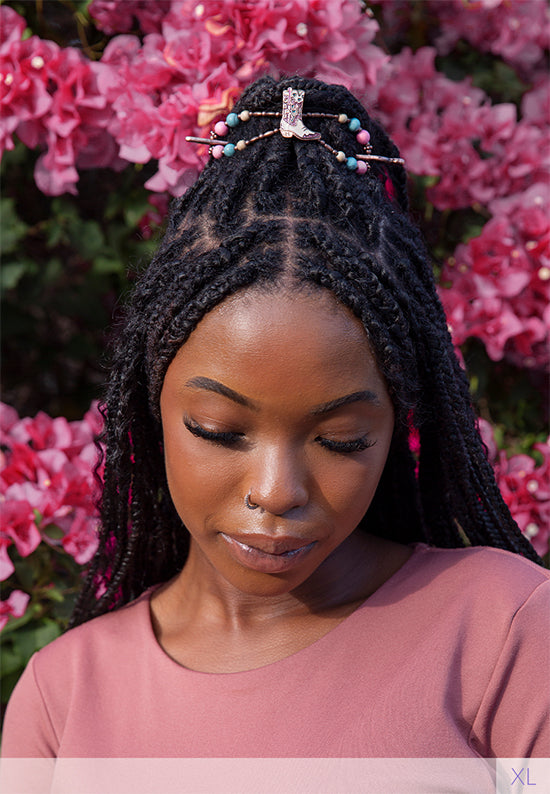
{"points": [[280, 573]]}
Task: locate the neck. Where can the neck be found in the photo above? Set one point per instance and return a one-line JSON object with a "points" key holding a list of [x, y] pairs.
{"points": [[349, 575]]}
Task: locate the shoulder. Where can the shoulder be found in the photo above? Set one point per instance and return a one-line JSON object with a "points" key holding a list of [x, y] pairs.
{"points": [[480, 571], [74, 671], [98, 640], [477, 592]]}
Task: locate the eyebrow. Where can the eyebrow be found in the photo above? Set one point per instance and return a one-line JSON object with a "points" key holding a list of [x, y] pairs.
{"points": [[347, 399], [219, 388]]}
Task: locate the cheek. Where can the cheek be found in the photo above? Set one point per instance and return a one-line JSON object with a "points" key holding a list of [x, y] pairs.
{"points": [[199, 481], [349, 488]]}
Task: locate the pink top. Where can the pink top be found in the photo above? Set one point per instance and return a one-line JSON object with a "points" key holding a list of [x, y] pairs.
{"points": [[448, 658]]}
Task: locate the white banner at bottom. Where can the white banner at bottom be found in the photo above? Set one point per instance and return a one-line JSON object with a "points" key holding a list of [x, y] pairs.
{"points": [[274, 776]]}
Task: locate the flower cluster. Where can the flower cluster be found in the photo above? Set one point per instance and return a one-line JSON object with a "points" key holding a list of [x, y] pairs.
{"points": [[482, 156], [516, 31], [112, 16], [144, 97], [498, 284], [448, 129], [524, 486], [47, 489], [49, 96]]}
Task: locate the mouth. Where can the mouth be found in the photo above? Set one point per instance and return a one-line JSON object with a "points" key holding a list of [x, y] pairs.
{"points": [[269, 555]]}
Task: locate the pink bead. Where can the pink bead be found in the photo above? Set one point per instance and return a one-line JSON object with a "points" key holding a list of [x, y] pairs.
{"points": [[217, 152], [362, 167], [363, 137], [220, 128]]}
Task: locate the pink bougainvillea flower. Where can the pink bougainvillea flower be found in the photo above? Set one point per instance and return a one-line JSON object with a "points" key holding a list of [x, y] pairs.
{"points": [[501, 281], [518, 31], [48, 478], [526, 492], [18, 522], [45, 432], [24, 95], [21, 464], [49, 97], [12, 27], [15, 606], [189, 73], [8, 419], [525, 487], [487, 434], [80, 539], [112, 16], [6, 565], [535, 104], [93, 416]]}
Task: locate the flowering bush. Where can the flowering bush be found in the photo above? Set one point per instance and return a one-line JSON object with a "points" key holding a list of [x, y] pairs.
{"points": [[499, 283], [47, 486], [48, 493], [525, 487], [100, 128]]}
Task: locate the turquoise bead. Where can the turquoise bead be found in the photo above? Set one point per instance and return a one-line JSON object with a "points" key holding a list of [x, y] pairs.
{"points": [[351, 163], [354, 125], [229, 150], [232, 120]]}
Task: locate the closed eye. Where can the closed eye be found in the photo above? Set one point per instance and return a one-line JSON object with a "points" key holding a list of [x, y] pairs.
{"points": [[346, 447], [223, 439]]}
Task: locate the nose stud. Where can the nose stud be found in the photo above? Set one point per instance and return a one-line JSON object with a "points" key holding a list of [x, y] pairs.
{"points": [[249, 504]]}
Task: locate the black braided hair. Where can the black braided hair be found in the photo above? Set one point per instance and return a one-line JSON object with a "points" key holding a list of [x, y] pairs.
{"points": [[285, 208]]}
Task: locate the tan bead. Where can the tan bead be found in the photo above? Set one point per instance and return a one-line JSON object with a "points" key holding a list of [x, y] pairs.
{"points": [[342, 118], [240, 146], [244, 115], [341, 157]]}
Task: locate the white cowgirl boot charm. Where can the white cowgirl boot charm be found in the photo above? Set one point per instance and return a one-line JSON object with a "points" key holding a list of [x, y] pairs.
{"points": [[291, 121]]}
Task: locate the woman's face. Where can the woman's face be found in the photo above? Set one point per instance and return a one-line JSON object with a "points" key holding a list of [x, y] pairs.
{"points": [[276, 396]]}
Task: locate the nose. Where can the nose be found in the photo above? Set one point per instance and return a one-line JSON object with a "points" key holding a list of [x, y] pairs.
{"points": [[278, 482]]}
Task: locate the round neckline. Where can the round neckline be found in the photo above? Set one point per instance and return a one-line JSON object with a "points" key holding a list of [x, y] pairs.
{"points": [[312, 648]]}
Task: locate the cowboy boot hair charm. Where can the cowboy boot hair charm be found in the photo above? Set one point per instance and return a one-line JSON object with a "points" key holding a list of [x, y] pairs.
{"points": [[291, 120]]}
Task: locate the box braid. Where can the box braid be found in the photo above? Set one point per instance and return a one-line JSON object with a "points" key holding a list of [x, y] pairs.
{"points": [[285, 212]]}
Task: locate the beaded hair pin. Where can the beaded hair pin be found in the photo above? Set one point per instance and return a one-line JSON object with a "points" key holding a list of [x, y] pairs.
{"points": [[292, 125]]}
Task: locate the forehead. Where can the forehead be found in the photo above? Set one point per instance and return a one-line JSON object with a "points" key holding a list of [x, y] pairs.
{"points": [[269, 344]]}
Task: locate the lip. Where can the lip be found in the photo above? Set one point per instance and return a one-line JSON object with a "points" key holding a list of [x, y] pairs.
{"points": [[268, 554]]}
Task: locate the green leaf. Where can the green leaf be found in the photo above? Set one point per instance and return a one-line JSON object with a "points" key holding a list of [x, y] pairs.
{"points": [[87, 238], [10, 659], [103, 264], [33, 637], [135, 209], [12, 228], [53, 531], [27, 570], [9, 681], [14, 624], [11, 274]]}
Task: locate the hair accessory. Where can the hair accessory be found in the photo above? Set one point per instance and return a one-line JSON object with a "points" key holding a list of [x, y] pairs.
{"points": [[249, 504], [291, 119], [292, 125]]}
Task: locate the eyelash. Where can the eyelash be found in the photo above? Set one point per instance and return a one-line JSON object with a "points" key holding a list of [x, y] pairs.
{"points": [[346, 447], [232, 439], [222, 439]]}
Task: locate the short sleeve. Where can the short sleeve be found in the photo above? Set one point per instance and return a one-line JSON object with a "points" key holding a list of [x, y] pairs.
{"points": [[513, 720], [28, 730]]}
